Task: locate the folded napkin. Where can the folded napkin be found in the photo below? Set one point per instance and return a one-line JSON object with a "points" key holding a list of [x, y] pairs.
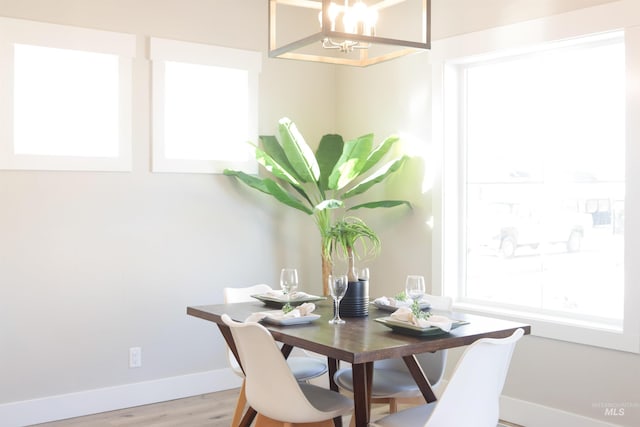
{"points": [[300, 311], [281, 295], [404, 314]]}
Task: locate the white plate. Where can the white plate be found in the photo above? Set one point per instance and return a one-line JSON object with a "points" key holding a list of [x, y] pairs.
{"points": [[286, 321], [409, 329], [388, 307]]}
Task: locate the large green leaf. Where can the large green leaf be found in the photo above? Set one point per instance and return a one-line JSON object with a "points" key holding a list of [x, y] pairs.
{"points": [[376, 178], [272, 147], [283, 196], [328, 152], [353, 158], [248, 180], [269, 186], [275, 168], [380, 204], [380, 151], [298, 152]]}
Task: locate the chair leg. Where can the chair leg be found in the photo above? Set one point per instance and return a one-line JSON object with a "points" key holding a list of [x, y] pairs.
{"points": [[242, 402], [393, 405], [262, 421]]}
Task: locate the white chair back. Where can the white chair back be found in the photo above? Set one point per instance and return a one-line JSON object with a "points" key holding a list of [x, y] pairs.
{"points": [[233, 295], [271, 388], [472, 396]]}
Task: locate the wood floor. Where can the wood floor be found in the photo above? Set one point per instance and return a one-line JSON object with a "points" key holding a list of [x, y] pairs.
{"points": [[210, 410]]}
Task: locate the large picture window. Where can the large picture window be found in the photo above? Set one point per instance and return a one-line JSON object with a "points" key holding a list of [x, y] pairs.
{"points": [[535, 217], [545, 179]]}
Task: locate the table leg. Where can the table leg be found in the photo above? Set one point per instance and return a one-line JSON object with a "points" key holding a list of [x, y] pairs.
{"points": [[333, 365], [420, 378], [362, 375]]}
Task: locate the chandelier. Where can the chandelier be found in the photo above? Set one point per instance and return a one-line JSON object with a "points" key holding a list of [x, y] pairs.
{"points": [[358, 33]]}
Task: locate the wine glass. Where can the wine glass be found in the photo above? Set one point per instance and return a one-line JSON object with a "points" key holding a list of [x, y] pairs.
{"points": [[364, 274], [337, 287], [414, 287], [288, 281]]}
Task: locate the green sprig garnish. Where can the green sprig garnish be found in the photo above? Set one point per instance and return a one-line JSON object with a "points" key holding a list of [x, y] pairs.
{"points": [[402, 296], [417, 312], [287, 308]]}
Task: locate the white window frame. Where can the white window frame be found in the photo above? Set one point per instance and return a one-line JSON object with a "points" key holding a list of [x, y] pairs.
{"points": [[17, 31], [162, 50], [447, 195]]}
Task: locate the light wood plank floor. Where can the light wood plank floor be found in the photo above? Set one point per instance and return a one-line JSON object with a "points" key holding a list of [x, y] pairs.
{"points": [[210, 410]]}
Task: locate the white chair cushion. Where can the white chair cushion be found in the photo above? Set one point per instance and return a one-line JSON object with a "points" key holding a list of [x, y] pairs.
{"points": [[387, 383], [327, 401], [306, 368]]}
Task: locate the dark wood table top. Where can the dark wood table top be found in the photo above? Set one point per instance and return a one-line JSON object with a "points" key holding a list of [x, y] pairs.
{"points": [[362, 340]]}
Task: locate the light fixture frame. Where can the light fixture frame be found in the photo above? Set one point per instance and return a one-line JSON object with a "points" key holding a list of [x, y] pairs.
{"points": [[287, 51]]}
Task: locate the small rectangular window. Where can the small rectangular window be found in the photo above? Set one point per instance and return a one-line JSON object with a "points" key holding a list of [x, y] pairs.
{"points": [[204, 108], [66, 95], [65, 102]]}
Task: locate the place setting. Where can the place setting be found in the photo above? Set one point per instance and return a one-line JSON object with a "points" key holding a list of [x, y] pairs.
{"points": [[409, 317], [286, 316], [288, 293]]}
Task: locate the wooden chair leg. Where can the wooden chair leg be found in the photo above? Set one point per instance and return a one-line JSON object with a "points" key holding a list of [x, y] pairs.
{"points": [[262, 421], [240, 405], [393, 405]]}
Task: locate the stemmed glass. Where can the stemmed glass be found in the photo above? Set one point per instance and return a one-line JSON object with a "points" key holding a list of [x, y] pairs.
{"points": [[337, 287], [414, 287], [364, 274], [288, 281]]}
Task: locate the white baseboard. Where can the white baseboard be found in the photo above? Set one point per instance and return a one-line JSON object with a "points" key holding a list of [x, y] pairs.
{"points": [[28, 412], [530, 414]]}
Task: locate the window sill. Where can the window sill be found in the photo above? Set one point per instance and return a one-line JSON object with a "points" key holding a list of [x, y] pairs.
{"points": [[588, 332]]}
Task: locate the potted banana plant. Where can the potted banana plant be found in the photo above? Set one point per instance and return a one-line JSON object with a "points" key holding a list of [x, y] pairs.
{"points": [[322, 184]]}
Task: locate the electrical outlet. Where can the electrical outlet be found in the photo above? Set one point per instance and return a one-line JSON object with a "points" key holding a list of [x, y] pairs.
{"points": [[135, 357]]}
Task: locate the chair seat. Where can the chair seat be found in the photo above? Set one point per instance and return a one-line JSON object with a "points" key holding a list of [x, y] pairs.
{"points": [[416, 416], [327, 401], [306, 368], [386, 383]]}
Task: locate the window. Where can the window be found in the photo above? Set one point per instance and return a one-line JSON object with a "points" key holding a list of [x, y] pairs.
{"points": [[536, 218], [65, 97], [204, 108]]}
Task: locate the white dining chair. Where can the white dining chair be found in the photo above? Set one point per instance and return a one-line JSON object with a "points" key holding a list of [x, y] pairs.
{"points": [[271, 388], [472, 397], [303, 365], [392, 382]]}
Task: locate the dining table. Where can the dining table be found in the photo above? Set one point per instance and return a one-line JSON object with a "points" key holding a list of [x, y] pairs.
{"points": [[360, 341]]}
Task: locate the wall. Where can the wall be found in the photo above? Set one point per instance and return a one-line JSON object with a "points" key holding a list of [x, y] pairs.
{"points": [[553, 377], [94, 263]]}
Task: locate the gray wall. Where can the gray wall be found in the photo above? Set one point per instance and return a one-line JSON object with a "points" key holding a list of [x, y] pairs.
{"points": [[94, 263]]}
